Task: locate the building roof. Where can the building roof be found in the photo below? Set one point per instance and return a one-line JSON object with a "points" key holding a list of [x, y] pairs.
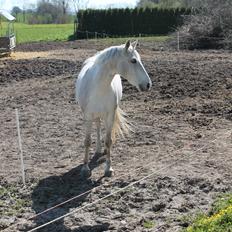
{"points": [[7, 15]]}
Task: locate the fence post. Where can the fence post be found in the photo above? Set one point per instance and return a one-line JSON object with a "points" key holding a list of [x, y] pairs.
{"points": [[139, 40], [87, 36], [95, 35], [75, 29], [20, 147], [178, 41]]}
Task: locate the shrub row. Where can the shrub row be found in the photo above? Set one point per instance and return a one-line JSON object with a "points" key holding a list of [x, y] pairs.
{"points": [[130, 22]]}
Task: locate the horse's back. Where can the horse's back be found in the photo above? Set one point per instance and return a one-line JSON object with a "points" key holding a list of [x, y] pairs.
{"points": [[83, 86]]}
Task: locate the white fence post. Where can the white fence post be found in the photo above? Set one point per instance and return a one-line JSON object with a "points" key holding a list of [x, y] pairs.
{"points": [[20, 147], [87, 35], [178, 41]]}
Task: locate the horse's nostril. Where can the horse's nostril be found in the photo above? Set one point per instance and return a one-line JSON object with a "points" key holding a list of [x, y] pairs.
{"points": [[148, 85]]}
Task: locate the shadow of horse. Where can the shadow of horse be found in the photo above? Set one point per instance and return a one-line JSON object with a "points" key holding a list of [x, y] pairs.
{"points": [[57, 189]]}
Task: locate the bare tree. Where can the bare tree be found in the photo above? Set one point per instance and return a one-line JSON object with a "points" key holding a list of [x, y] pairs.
{"points": [[80, 4], [209, 26], [62, 4], [50, 11]]}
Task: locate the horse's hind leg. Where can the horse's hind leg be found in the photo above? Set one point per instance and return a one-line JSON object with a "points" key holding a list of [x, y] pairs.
{"points": [[85, 171], [99, 148], [108, 143]]}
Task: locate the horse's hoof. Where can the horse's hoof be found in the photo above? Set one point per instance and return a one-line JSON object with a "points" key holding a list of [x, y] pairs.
{"points": [[85, 172], [98, 151], [98, 154], [109, 173]]}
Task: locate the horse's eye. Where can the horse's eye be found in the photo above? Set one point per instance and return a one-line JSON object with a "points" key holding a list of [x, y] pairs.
{"points": [[133, 61]]}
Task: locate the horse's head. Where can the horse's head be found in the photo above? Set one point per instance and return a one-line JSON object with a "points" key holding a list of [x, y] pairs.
{"points": [[131, 68]]}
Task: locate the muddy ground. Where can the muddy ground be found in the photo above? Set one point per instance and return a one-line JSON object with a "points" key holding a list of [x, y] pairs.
{"points": [[183, 134]]}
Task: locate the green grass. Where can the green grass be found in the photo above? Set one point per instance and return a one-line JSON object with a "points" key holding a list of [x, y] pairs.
{"points": [[11, 203], [148, 224], [40, 32], [219, 219], [61, 32]]}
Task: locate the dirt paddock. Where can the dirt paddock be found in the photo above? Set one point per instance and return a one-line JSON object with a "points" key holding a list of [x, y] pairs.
{"points": [[183, 134]]}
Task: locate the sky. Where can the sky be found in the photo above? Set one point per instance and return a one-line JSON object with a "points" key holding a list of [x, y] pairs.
{"points": [[8, 4]]}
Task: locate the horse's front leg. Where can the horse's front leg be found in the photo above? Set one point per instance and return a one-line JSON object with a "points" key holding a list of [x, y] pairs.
{"points": [[85, 171], [98, 149]]}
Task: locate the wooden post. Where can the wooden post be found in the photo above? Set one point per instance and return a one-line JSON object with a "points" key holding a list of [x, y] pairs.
{"points": [[75, 29], [178, 41], [96, 35], [139, 40], [20, 147], [87, 36]]}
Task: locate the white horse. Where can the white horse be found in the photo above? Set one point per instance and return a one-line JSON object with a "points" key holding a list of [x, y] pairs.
{"points": [[99, 91]]}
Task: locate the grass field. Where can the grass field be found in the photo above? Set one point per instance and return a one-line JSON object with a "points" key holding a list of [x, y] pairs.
{"points": [[40, 32], [52, 32]]}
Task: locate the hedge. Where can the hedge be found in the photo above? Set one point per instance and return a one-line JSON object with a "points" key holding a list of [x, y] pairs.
{"points": [[129, 22]]}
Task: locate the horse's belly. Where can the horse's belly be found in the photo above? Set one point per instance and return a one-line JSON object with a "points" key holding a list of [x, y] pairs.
{"points": [[101, 103], [95, 99]]}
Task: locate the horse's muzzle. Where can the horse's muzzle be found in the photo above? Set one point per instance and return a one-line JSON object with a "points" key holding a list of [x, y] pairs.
{"points": [[145, 87]]}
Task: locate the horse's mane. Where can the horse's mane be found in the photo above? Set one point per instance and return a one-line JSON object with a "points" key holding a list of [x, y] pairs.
{"points": [[103, 56]]}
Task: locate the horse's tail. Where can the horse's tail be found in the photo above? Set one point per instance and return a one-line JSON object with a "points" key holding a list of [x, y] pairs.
{"points": [[121, 125]]}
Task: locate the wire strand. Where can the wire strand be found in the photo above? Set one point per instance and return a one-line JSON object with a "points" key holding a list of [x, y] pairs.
{"points": [[115, 192], [100, 199]]}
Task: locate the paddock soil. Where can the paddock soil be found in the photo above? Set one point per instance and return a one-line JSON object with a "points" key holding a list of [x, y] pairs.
{"points": [[182, 134]]}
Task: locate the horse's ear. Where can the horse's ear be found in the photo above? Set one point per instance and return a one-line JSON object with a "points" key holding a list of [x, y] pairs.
{"points": [[134, 44], [127, 45]]}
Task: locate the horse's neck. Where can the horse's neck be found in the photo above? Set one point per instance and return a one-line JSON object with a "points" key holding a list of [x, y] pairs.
{"points": [[106, 73]]}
